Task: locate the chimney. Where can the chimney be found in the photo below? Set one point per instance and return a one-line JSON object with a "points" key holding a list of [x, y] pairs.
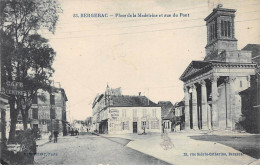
{"points": [[139, 93]]}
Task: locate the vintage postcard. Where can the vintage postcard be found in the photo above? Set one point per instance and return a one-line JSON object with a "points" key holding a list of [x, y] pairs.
{"points": [[133, 82]]}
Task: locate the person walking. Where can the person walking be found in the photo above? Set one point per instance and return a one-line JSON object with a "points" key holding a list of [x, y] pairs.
{"points": [[76, 132], [55, 133]]}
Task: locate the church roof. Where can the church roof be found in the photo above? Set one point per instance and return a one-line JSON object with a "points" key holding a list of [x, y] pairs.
{"points": [[219, 10], [196, 68]]}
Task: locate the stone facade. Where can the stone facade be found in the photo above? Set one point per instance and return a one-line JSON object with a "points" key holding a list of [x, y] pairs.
{"points": [[49, 114], [121, 114], [211, 86], [251, 96]]}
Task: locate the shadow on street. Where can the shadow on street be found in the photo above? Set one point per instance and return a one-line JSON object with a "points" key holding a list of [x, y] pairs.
{"points": [[248, 145]]}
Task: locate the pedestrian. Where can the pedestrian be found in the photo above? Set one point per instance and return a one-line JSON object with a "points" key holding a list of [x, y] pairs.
{"points": [[55, 136], [76, 132], [72, 132]]}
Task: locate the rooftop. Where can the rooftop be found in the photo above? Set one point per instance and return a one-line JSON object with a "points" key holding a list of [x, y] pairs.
{"points": [[166, 107], [132, 101], [255, 48]]}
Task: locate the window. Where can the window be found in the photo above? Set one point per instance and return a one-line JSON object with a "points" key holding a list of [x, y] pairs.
{"points": [[52, 99], [154, 112], [177, 112], [182, 111], [124, 113], [134, 113], [145, 125], [228, 29], [35, 99], [52, 113], [125, 125], [35, 113], [222, 28], [212, 31], [155, 125], [144, 112], [216, 30], [241, 84], [225, 28]]}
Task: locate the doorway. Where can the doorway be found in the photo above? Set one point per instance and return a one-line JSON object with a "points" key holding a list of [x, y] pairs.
{"points": [[134, 127]]}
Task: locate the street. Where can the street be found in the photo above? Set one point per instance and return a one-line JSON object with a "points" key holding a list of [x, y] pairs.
{"points": [[246, 144], [92, 150]]}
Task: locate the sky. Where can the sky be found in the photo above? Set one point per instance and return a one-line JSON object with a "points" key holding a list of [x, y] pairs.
{"points": [[138, 54]]}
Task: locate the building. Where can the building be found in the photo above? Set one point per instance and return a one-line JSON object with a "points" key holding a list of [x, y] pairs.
{"points": [[179, 112], [79, 125], [48, 111], [167, 106], [169, 121], [212, 86], [175, 119], [88, 123], [250, 97], [255, 48], [114, 113]]}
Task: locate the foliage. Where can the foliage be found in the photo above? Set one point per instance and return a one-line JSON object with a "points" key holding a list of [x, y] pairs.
{"points": [[27, 56]]}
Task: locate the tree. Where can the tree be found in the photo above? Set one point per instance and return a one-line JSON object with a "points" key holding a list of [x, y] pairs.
{"points": [[37, 73], [27, 57]]}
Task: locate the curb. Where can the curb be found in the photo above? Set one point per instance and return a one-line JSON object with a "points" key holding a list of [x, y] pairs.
{"points": [[108, 138]]}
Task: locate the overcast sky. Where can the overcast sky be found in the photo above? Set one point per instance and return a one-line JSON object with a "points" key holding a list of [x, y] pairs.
{"points": [[145, 55]]}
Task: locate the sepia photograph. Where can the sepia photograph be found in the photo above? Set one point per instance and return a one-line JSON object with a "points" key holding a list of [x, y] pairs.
{"points": [[130, 82]]}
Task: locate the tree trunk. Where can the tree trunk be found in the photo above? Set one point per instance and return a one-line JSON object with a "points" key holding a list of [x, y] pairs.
{"points": [[3, 126], [25, 118], [13, 116]]}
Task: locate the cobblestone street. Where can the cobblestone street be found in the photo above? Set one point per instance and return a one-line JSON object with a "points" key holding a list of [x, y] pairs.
{"points": [[91, 149]]}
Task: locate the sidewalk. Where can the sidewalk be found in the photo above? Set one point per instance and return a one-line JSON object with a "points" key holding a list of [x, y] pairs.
{"points": [[45, 139], [151, 145]]}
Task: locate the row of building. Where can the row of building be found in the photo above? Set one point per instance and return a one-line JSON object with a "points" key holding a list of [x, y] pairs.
{"points": [[114, 113], [220, 92], [47, 113]]}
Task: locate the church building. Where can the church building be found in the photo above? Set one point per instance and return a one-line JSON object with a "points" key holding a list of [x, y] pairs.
{"points": [[212, 86]]}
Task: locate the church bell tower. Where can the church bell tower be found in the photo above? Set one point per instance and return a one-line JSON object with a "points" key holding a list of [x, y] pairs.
{"points": [[220, 33]]}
